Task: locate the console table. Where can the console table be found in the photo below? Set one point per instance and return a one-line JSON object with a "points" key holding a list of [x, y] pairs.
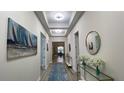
{"points": [[88, 71]]}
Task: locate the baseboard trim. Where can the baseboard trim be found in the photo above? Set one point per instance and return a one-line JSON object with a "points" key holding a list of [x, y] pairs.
{"points": [[38, 78], [82, 78]]}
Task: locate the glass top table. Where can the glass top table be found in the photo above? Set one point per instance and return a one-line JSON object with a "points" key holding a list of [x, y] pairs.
{"points": [[92, 71]]}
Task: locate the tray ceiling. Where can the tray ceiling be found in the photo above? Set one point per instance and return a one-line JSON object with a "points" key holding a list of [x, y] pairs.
{"points": [[58, 23]]}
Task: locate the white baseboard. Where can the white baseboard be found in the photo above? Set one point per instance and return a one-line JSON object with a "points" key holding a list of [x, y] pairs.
{"points": [[38, 78], [82, 78]]}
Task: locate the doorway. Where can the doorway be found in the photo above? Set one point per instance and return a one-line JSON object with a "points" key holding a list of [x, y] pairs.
{"points": [[58, 51], [43, 51]]}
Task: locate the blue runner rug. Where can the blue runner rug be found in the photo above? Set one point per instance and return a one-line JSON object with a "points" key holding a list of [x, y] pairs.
{"points": [[58, 73]]}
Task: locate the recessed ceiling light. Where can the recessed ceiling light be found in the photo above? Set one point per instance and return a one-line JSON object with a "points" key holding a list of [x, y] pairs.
{"points": [[59, 16]]}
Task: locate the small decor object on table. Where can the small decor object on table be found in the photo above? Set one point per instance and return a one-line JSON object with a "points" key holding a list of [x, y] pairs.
{"points": [[97, 70], [98, 63]]}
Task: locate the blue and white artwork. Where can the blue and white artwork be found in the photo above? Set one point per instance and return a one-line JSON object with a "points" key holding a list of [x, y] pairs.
{"points": [[20, 42]]}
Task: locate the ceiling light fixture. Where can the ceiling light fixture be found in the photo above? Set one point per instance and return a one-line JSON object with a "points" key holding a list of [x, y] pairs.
{"points": [[59, 16], [58, 31]]}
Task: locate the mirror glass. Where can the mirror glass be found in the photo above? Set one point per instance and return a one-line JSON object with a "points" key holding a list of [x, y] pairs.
{"points": [[93, 42]]}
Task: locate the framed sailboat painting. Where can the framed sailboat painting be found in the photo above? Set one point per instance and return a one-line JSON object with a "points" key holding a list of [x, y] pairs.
{"points": [[20, 42]]}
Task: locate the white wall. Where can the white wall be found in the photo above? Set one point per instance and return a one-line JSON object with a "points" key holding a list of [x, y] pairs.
{"points": [[71, 41], [27, 68], [57, 39], [110, 26]]}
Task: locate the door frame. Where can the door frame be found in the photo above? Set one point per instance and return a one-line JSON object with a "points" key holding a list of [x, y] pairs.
{"points": [[76, 46], [41, 52], [57, 44]]}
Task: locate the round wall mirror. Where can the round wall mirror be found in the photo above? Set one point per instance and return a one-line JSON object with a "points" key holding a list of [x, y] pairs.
{"points": [[93, 42]]}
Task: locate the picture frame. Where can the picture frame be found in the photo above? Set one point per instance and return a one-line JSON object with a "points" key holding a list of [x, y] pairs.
{"points": [[20, 42]]}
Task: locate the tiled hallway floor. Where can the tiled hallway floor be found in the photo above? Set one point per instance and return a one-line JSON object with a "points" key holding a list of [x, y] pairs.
{"points": [[58, 71]]}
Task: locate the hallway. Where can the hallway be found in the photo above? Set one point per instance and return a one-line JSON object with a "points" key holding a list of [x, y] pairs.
{"points": [[61, 45]]}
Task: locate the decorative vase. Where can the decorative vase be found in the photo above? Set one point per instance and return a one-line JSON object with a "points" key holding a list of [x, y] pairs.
{"points": [[97, 70]]}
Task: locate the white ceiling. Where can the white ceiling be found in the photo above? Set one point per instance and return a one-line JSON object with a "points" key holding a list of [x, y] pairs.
{"points": [[58, 21], [60, 25]]}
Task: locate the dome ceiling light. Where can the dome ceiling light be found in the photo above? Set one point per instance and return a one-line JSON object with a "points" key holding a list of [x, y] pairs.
{"points": [[58, 31], [59, 16]]}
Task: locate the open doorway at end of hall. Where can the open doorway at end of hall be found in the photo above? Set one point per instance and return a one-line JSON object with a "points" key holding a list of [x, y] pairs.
{"points": [[58, 51]]}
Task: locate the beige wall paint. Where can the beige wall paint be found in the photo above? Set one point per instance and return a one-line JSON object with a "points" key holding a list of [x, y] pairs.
{"points": [[110, 26], [27, 68]]}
